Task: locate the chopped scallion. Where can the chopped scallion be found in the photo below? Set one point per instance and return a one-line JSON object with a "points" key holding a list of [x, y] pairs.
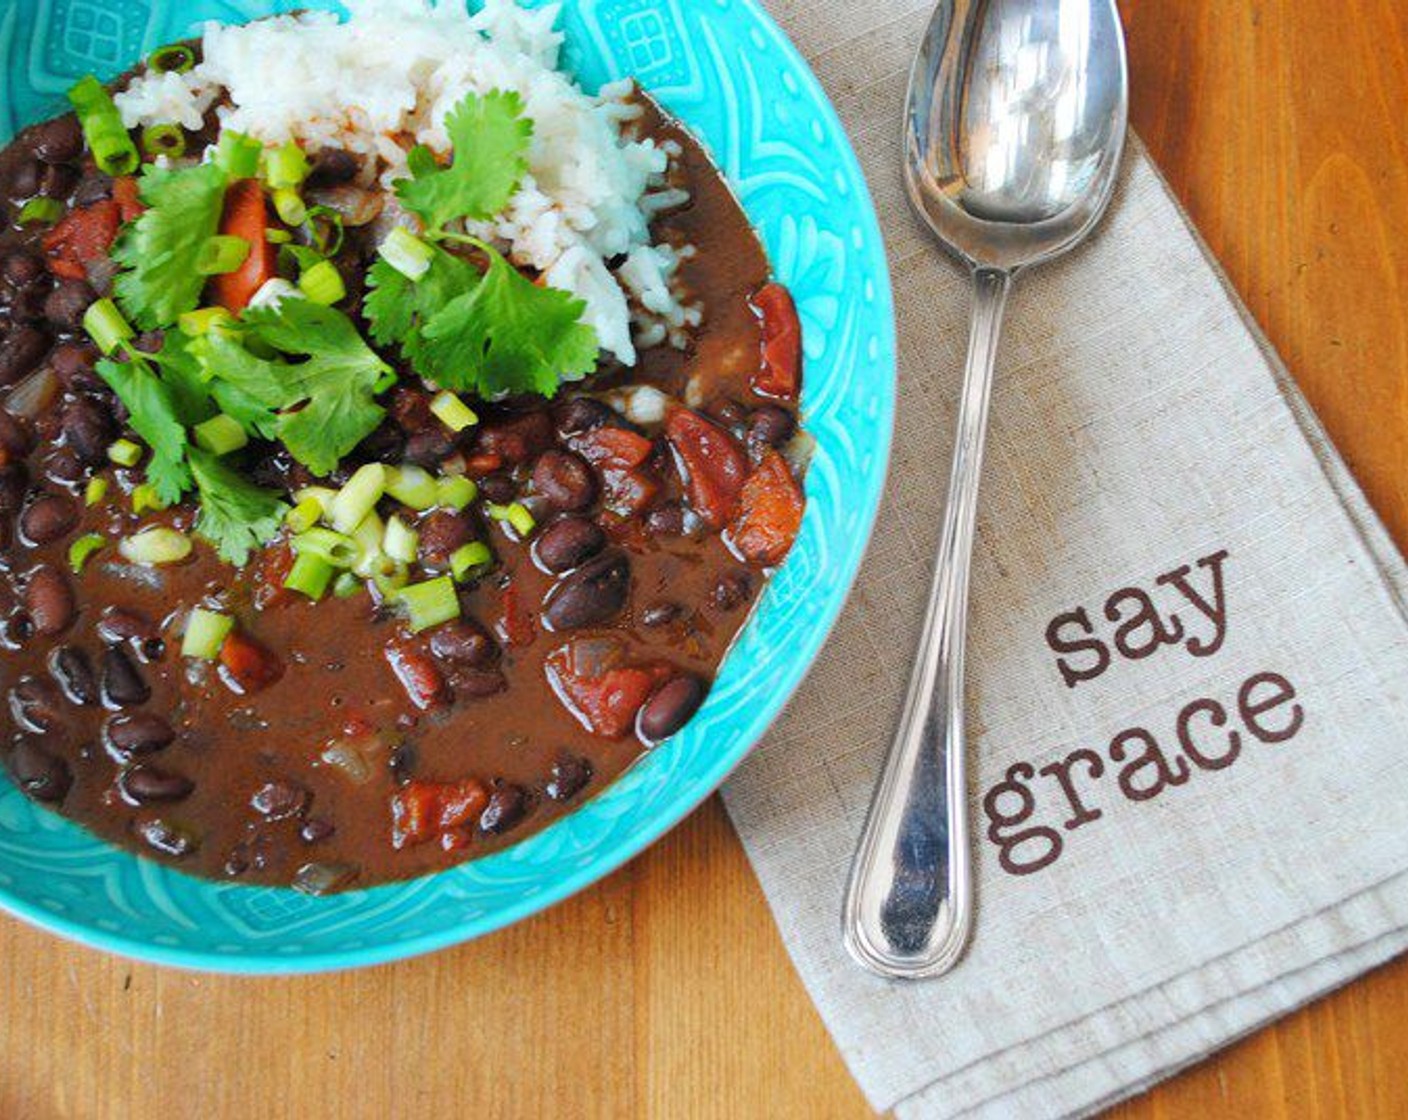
{"points": [[310, 576], [157, 545], [390, 578], [323, 495], [304, 515], [221, 254], [358, 497], [84, 547], [400, 542], [322, 283], [456, 492], [275, 236], [325, 229], [145, 499], [206, 632], [368, 536], [105, 325], [346, 585], [41, 211], [286, 166], [177, 58], [336, 549], [125, 453], [468, 559], [412, 486], [164, 140], [289, 206], [430, 603], [452, 412], [95, 491], [204, 320], [112, 148], [406, 253], [515, 514], [220, 435], [238, 155]]}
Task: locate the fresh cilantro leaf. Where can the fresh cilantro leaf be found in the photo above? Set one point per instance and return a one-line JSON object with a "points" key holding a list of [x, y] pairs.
{"points": [[245, 387], [181, 373], [507, 335], [397, 307], [335, 386], [490, 137], [236, 516], [153, 414], [158, 252]]}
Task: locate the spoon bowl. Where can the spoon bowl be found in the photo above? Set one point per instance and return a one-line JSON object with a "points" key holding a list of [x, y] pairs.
{"points": [[1014, 128]]}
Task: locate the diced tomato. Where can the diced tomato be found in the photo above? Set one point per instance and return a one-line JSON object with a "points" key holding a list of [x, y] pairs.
{"points": [[780, 374], [419, 675], [246, 216], [515, 624], [769, 513], [125, 193], [82, 236], [246, 666], [517, 439], [620, 456], [422, 811], [605, 704], [713, 464], [271, 569]]}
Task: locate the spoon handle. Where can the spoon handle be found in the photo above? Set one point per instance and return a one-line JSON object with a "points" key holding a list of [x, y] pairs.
{"points": [[909, 904]]}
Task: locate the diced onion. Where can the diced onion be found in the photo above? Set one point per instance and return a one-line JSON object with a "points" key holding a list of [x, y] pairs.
{"points": [[154, 546], [33, 396]]}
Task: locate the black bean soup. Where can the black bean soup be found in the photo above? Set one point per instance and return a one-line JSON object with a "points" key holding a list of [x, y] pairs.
{"points": [[323, 741]]}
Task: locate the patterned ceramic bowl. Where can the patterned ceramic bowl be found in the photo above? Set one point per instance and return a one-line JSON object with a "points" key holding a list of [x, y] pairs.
{"points": [[731, 75]]}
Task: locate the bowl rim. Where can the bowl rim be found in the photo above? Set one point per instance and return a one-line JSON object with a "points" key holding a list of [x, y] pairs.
{"points": [[883, 369]]}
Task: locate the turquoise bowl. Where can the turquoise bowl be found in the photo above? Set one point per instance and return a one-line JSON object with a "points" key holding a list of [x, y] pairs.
{"points": [[726, 69]]}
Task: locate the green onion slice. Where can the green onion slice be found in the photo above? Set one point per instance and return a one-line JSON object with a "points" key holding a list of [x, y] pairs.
{"points": [[157, 545], [406, 253], [452, 412], [400, 542], [106, 326], [335, 549], [221, 434], [515, 514], [84, 547], [456, 492], [204, 320], [412, 486], [125, 453], [286, 166], [95, 491], [430, 603], [112, 148], [468, 559], [175, 58], [290, 207], [221, 254], [346, 585], [238, 155], [322, 283], [164, 140], [206, 632], [310, 576], [304, 515], [325, 229], [41, 211], [358, 497], [145, 498]]}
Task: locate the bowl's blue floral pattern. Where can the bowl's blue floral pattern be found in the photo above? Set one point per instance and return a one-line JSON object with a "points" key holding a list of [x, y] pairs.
{"points": [[726, 69]]}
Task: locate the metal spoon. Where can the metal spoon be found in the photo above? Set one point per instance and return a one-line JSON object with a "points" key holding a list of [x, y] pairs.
{"points": [[1013, 133]]}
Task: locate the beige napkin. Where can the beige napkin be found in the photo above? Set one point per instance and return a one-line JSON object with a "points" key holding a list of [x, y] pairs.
{"points": [[1149, 461]]}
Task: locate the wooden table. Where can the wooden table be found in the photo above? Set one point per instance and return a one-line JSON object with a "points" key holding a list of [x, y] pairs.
{"points": [[665, 991]]}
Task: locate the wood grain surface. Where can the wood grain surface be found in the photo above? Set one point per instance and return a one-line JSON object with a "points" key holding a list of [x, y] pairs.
{"points": [[665, 991]]}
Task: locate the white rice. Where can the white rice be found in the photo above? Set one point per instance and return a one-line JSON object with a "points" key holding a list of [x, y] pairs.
{"points": [[384, 80]]}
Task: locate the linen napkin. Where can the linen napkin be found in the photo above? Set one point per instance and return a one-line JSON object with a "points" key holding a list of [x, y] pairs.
{"points": [[1187, 669]]}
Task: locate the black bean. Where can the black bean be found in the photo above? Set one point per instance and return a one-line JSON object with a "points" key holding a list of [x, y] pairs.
{"points": [[65, 305], [385, 445], [568, 543], [570, 775], [14, 440], [14, 484], [731, 591], [769, 426], [145, 784], [168, 837], [15, 630], [442, 533], [57, 180], [63, 466], [49, 600], [403, 762], [22, 268], [507, 806], [128, 735], [149, 342], [123, 684], [41, 775], [23, 349], [670, 707], [730, 414], [36, 704], [592, 594], [27, 305], [121, 625], [331, 166], [475, 684], [316, 829], [660, 614], [48, 517], [498, 488], [666, 520], [277, 801], [73, 671], [93, 187], [88, 430], [72, 363], [24, 177], [564, 479], [581, 414], [463, 642], [428, 447], [59, 140]]}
